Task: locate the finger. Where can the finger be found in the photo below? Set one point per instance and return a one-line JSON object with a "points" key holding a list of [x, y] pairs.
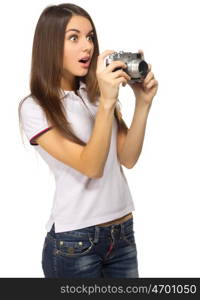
{"points": [[151, 84], [120, 73], [120, 80], [115, 64], [142, 53], [149, 77], [101, 57], [149, 67]]}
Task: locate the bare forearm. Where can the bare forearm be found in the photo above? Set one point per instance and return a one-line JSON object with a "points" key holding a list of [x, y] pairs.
{"points": [[97, 149], [135, 136]]}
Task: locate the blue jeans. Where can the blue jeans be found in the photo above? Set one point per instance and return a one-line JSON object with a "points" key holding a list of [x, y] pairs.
{"points": [[91, 252]]}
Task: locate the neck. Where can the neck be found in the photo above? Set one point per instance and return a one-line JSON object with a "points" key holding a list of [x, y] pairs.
{"points": [[69, 84]]}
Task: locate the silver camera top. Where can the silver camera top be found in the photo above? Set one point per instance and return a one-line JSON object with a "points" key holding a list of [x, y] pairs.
{"points": [[137, 68]]}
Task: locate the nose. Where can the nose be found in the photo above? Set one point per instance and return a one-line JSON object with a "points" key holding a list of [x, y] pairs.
{"points": [[87, 45]]}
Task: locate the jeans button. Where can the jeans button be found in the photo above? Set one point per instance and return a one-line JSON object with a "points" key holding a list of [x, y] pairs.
{"points": [[70, 250]]}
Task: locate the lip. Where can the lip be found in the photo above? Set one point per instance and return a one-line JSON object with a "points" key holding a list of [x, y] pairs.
{"points": [[85, 65], [85, 57]]}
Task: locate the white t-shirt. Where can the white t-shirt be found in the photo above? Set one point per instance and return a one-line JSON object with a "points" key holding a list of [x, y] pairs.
{"points": [[79, 201]]}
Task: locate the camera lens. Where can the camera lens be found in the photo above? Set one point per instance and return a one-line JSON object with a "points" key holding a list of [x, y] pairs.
{"points": [[143, 68]]}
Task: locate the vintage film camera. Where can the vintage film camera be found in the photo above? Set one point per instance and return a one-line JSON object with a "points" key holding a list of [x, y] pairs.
{"points": [[137, 68]]}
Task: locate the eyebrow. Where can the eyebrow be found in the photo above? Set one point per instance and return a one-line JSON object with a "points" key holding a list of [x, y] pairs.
{"points": [[73, 29]]}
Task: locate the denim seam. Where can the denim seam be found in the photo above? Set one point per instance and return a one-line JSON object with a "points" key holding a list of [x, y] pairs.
{"points": [[55, 259]]}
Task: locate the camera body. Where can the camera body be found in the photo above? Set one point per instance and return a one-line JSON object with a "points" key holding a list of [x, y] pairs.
{"points": [[137, 68]]}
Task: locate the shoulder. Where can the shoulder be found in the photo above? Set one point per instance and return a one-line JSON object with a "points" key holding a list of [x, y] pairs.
{"points": [[29, 105], [28, 102]]}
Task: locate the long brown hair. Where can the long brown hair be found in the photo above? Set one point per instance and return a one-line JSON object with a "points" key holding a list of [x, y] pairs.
{"points": [[47, 65]]}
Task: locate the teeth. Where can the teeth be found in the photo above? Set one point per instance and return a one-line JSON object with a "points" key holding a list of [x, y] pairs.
{"points": [[84, 60]]}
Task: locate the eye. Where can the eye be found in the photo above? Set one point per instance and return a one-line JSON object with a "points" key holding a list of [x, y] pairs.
{"points": [[73, 37], [91, 37]]}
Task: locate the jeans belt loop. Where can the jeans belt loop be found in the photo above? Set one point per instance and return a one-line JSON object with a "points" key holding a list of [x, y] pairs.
{"points": [[122, 229], [96, 234]]}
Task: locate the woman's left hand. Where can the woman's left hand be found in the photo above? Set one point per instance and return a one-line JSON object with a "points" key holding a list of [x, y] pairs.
{"points": [[146, 90]]}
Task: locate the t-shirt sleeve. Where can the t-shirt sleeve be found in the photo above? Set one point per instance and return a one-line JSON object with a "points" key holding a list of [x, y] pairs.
{"points": [[34, 121], [119, 112]]}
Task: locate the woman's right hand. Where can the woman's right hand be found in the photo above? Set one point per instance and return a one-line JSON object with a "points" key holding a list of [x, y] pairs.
{"points": [[108, 80]]}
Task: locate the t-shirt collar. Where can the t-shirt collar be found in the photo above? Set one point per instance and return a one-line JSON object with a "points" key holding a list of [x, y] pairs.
{"points": [[82, 86]]}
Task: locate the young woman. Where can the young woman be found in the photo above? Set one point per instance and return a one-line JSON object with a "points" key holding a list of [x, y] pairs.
{"points": [[72, 118]]}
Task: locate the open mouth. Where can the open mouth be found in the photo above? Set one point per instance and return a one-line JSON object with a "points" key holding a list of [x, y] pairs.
{"points": [[85, 62]]}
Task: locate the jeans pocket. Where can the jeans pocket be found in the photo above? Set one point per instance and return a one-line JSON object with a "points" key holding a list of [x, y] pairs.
{"points": [[129, 237], [73, 246]]}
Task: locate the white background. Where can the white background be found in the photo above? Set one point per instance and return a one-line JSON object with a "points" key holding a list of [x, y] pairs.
{"points": [[164, 182]]}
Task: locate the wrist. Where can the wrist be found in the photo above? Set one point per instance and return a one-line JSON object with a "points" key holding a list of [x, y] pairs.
{"points": [[107, 104], [142, 104]]}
